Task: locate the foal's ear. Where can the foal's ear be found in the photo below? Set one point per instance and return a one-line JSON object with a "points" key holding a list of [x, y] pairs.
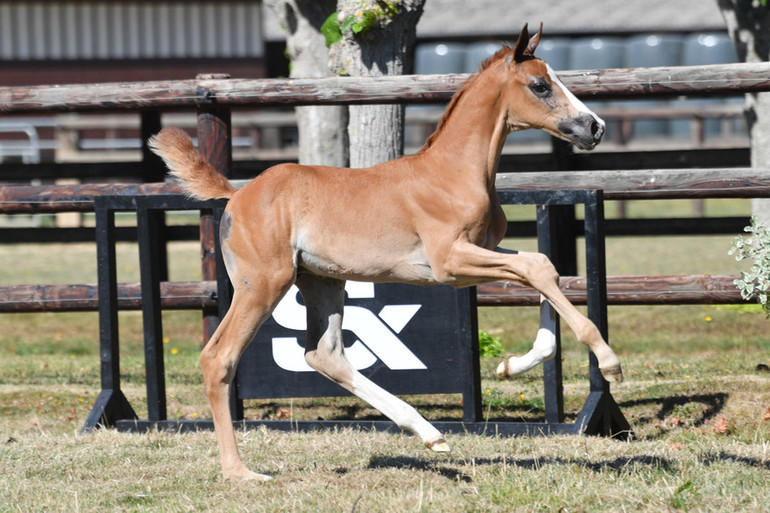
{"points": [[524, 47], [517, 52], [533, 42]]}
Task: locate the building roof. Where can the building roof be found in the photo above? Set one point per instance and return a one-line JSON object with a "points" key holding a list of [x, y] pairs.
{"points": [[162, 29], [448, 18], [567, 16]]}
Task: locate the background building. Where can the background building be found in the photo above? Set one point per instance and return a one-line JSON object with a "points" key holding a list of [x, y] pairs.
{"points": [[79, 41], [86, 41]]}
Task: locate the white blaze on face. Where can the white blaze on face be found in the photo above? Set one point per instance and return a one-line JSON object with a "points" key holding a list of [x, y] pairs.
{"points": [[580, 106]]}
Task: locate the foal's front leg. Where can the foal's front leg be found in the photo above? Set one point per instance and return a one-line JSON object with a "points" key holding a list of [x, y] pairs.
{"points": [[325, 352], [468, 263]]}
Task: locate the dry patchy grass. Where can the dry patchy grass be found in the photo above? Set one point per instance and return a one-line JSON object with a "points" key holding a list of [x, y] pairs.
{"points": [[679, 459], [694, 395], [366, 471]]}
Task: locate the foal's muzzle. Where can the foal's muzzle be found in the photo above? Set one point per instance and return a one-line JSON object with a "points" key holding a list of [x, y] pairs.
{"points": [[584, 130]]}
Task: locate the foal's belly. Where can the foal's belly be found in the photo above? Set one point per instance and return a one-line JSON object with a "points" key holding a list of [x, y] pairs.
{"points": [[368, 264]]}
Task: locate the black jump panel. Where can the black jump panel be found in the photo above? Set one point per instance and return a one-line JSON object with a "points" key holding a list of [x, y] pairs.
{"points": [[407, 339]]}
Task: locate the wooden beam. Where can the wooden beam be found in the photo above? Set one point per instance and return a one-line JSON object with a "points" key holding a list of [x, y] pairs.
{"points": [[720, 79], [629, 184], [717, 79], [648, 183], [85, 298], [621, 290], [624, 290], [27, 199]]}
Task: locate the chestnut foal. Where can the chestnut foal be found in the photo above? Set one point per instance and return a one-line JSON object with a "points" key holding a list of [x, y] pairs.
{"points": [[428, 218]]}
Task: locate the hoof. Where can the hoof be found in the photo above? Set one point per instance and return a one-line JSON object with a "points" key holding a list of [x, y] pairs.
{"points": [[502, 369], [613, 374], [439, 445]]}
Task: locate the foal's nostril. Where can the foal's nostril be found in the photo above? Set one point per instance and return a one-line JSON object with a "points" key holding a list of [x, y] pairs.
{"points": [[595, 128]]}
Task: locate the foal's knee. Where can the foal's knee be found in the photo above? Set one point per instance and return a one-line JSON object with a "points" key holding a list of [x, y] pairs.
{"points": [[542, 269]]}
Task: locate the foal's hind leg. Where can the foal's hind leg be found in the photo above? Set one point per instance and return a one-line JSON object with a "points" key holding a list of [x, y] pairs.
{"points": [[543, 349], [325, 352], [251, 305]]}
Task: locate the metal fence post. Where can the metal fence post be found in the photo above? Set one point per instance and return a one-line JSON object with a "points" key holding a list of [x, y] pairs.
{"points": [[111, 405], [154, 170], [147, 225]]}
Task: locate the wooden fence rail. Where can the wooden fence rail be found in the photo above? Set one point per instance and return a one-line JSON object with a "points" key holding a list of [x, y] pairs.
{"points": [[621, 290], [205, 91], [40, 199], [192, 295], [735, 182], [631, 184], [693, 289]]}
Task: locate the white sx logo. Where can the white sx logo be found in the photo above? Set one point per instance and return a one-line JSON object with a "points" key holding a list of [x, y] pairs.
{"points": [[374, 336]]}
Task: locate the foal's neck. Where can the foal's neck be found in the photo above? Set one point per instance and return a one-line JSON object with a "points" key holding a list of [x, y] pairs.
{"points": [[472, 138]]}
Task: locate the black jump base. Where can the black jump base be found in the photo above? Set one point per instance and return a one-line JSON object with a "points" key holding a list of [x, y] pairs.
{"points": [[417, 335]]}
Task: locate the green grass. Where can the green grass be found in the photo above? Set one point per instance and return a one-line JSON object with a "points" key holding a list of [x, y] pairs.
{"points": [[694, 395]]}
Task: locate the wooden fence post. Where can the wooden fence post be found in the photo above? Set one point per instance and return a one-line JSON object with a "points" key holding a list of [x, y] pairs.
{"points": [[215, 146]]}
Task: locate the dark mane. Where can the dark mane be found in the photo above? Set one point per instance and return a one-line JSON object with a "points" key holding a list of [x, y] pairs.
{"points": [[456, 98]]}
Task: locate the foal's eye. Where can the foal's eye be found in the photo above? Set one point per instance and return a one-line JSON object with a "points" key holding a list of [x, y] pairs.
{"points": [[540, 87]]}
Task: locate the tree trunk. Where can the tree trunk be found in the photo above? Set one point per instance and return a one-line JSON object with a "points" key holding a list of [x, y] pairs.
{"points": [[375, 132], [749, 25], [322, 129]]}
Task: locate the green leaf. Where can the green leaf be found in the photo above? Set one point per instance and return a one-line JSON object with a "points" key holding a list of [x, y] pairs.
{"points": [[679, 500], [489, 345], [368, 20], [684, 487], [331, 30]]}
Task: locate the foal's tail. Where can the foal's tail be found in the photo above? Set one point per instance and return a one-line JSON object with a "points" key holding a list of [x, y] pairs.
{"points": [[197, 177]]}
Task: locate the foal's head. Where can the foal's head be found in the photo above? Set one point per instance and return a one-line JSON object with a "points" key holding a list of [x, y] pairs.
{"points": [[534, 97]]}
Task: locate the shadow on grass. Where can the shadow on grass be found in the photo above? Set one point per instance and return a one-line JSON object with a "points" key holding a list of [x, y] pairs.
{"points": [[712, 405], [443, 468], [451, 468], [411, 463], [724, 457]]}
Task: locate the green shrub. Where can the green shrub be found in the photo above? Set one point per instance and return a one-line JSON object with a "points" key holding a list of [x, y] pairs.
{"points": [[754, 283], [489, 345]]}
